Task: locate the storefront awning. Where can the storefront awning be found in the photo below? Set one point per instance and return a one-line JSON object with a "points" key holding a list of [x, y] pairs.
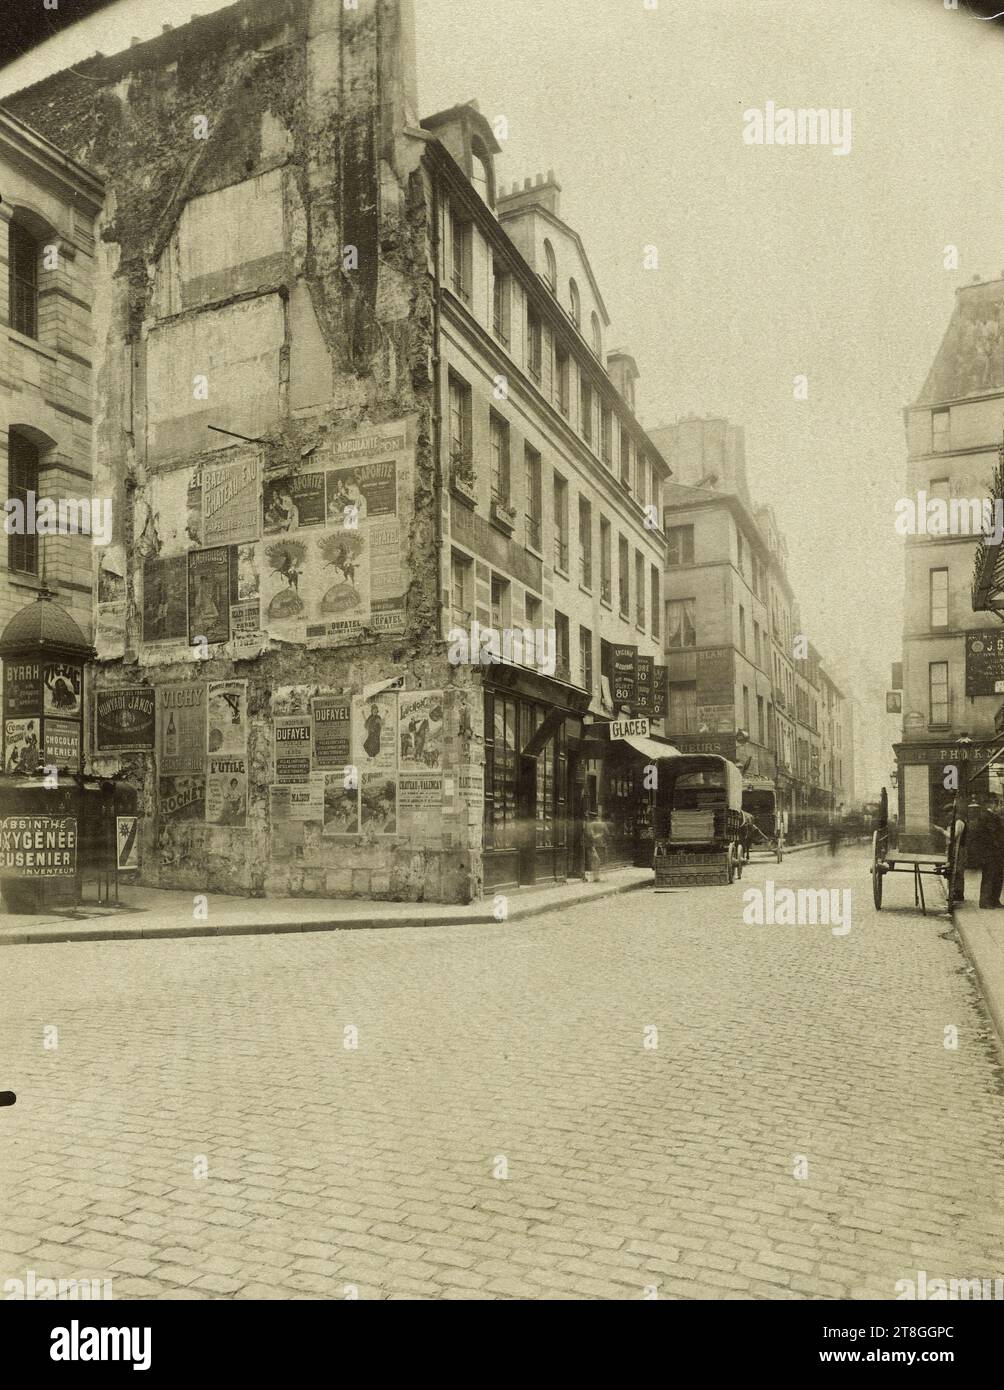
{"points": [[650, 748]]}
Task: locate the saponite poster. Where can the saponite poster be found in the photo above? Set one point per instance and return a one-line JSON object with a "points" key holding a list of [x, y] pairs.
{"points": [[181, 727]]}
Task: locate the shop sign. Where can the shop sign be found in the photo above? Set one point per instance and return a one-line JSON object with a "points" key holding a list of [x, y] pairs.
{"points": [[985, 662], [629, 728], [624, 674]]}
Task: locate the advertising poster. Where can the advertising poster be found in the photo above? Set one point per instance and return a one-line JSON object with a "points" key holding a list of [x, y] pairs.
{"points": [[332, 728], [297, 802], [38, 847], [181, 799], [227, 791], [62, 743], [985, 662], [110, 623], [165, 599], [22, 688], [62, 686], [181, 727], [623, 674], [340, 584], [245, 606], [127, 843], [283, 586], [227, 723], [715, 676], [341, 806], [421, 729], [660, 692], [420, 804], [374, 731], [21, 751], [209, 595], [292, 748], [291, 502], [124, 719], [231, 508], [645, 678], [378, 803]]}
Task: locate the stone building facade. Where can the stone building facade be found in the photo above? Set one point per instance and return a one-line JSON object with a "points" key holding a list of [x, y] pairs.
{"points": [[744, 679], [299, 290], [953, 651], [50, 204]]}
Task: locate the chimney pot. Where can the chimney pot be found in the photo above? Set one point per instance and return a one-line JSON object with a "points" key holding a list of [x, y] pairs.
{"points": [[539, 180], [550, 176], [527, 183]]}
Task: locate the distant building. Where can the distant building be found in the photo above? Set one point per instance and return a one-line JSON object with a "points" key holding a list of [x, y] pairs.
{"points": [[953, 641], [744, 680]]}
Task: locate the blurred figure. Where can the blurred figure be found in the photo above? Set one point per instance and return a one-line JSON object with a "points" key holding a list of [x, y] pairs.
{"points": [[834, 837], [985, 851]]}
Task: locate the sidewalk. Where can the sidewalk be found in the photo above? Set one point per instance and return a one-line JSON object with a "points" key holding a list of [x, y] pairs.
{"points": [[982, 935], [149, 913]]}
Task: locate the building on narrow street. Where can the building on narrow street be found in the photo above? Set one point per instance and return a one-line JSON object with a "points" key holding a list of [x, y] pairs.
{"points": [[49, 207], [358, 410], [953, 642], [744, 680]]}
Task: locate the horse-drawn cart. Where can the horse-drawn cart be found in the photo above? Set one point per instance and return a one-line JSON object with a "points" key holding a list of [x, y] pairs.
{"points": [[698, 820]]}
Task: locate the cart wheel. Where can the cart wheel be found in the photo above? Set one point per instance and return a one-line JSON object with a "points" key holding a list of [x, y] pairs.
{"points": [[877, 872]]}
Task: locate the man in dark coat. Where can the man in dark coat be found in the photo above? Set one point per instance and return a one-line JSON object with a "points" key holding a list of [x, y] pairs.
{"points": [[985, 851]]}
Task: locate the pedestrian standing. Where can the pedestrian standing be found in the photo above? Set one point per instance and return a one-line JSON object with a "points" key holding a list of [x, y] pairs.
{"points": [[984, 849]]}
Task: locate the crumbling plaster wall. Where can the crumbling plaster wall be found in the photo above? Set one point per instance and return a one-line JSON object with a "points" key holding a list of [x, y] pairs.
{"points": [[303, 105]]}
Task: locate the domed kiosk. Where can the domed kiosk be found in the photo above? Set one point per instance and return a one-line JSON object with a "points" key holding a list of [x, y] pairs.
{"points": [[41, 785]]}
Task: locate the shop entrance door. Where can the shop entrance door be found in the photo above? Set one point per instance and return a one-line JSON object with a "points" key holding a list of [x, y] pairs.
{"points": [[526, 800]]}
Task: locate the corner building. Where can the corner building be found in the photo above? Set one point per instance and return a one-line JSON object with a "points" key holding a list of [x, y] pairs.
{"points": [[348, 407]]}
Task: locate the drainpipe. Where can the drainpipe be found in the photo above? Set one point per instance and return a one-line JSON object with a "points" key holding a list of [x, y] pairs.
{"points": [[437, 410]]}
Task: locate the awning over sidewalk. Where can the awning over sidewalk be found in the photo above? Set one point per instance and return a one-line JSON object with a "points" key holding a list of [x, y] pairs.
{"points": [[651, 748]]}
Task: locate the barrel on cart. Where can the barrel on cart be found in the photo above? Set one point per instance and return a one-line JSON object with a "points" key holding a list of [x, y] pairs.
{"points": [[698, 821]]}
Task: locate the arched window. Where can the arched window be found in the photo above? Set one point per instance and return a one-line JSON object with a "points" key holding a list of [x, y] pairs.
{"points": [[22, 479], [550, 267], [23, 254], [575, 302], [597, 335]]}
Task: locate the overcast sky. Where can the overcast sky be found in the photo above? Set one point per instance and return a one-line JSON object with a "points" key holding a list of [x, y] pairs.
{"points": [[773, 262]]}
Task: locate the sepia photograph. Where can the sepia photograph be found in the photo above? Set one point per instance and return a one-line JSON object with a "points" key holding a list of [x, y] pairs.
{"points": [[502, 669]]}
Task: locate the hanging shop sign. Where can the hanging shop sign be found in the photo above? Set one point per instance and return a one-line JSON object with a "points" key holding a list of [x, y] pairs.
{"points": [[644, 675], [623, 674], [985, 662], [629, 728]]}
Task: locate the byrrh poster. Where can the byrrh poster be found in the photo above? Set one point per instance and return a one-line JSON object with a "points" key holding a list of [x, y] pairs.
{"points": [[181, 727]]}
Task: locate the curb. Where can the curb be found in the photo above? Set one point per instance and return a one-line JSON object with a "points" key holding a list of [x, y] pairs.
{"points": [[56, 936], [993, 995]]}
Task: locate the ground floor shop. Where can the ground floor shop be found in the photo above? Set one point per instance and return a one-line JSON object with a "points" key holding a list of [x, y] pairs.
{"points": [[931, 776]]}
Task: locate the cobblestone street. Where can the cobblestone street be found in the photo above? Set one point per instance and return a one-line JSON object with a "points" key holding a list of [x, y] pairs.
{"points": [[504, 1126]]}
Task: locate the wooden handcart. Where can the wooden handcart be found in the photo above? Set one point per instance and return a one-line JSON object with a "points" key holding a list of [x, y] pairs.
{"points": [[889, 858]]}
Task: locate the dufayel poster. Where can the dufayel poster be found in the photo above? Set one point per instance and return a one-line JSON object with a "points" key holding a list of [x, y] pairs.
{"points": [[332, 723], [291, 734]]}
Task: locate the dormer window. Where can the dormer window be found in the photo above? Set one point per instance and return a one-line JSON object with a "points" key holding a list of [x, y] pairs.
{"points": [[575, 303], [550, 267]]}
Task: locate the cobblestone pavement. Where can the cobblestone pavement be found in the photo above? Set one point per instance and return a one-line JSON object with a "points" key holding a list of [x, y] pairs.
{"points": [[524, 1050]]}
